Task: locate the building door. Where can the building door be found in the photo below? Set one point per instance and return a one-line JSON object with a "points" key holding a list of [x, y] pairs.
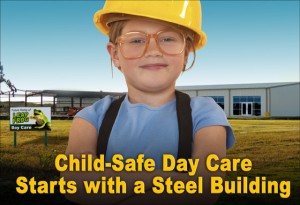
{"points": [[247, 108]]}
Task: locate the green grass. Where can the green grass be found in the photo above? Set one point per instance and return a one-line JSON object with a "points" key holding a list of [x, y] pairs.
{"points": [[273, 146]]}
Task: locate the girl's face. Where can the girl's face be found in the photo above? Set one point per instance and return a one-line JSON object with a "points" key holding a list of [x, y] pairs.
{"points": [[153, 72]]}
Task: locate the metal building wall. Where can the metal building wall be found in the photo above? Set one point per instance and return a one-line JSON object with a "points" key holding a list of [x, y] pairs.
{"points": [[191, 93], [285, 101]]}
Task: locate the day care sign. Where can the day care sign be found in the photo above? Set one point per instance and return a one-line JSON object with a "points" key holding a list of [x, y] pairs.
{"points": [[30, 118]]}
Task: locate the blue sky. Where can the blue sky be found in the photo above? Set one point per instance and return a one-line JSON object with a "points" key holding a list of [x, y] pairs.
{"points": [[55, 45]]}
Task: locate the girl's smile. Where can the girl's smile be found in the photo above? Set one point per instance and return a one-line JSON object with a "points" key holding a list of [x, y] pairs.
{"points": [[153, 66]]}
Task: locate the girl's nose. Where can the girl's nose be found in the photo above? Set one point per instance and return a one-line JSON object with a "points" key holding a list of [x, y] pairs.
{"points": [[153, 49]]}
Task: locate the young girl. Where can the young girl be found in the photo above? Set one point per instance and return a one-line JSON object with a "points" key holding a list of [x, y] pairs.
{"points": [[149, 42]]}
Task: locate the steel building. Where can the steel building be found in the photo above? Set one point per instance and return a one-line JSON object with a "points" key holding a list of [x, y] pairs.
{"points": [[258, 100]]}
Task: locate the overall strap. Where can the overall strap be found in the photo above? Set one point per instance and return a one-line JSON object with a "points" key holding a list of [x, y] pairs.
{"points": [[107, 124], [185, 125]]}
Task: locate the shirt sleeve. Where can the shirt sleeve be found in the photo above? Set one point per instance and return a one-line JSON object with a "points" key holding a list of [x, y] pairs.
{"points": [[206, 112], [96, 112]]}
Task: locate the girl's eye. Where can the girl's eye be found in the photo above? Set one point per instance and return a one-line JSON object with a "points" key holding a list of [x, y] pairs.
{"points": [[167, 39], [137, 41]]}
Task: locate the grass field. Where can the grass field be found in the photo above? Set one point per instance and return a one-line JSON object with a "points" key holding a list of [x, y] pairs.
{"points": [[273, 146]]}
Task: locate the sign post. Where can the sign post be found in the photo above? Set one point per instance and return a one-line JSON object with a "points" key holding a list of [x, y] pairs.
{"points": [[15, 139], [46, 139]]}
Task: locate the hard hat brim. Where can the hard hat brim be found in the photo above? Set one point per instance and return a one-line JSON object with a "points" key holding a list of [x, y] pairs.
{"points": [[102, 16]]}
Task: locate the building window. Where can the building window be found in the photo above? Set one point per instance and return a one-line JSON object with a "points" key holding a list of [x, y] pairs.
{"points": [[247, 105], [219, 100]]}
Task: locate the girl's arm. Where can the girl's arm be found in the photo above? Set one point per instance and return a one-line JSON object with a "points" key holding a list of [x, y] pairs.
{"points": [[83, 140], [208, 140]]}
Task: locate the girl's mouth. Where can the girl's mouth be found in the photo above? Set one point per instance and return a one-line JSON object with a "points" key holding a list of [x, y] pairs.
{"points": [[154, 66]]}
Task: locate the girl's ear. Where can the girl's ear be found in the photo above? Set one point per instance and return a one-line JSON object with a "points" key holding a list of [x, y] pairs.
{"points": [[113, 52]]}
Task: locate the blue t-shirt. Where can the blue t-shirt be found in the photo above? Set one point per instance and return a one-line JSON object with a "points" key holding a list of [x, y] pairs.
{"points": [[152, 131]]}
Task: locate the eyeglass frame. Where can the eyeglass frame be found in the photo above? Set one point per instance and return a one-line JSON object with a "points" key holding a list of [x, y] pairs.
{"points": [[149, 36]]}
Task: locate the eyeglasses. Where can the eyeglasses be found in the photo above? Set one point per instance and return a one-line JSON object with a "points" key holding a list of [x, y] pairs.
{"points": [[134, 44]]}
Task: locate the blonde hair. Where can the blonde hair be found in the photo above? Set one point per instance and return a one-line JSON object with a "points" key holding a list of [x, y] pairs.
{"points": [[115, 30]]}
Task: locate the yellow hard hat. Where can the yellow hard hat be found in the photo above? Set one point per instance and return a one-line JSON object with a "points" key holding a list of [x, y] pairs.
{"points": [[185, 13]]}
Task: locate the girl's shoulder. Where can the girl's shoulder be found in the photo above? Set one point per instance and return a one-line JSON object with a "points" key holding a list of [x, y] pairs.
{"points": [[96, 111], [205, 109]]}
